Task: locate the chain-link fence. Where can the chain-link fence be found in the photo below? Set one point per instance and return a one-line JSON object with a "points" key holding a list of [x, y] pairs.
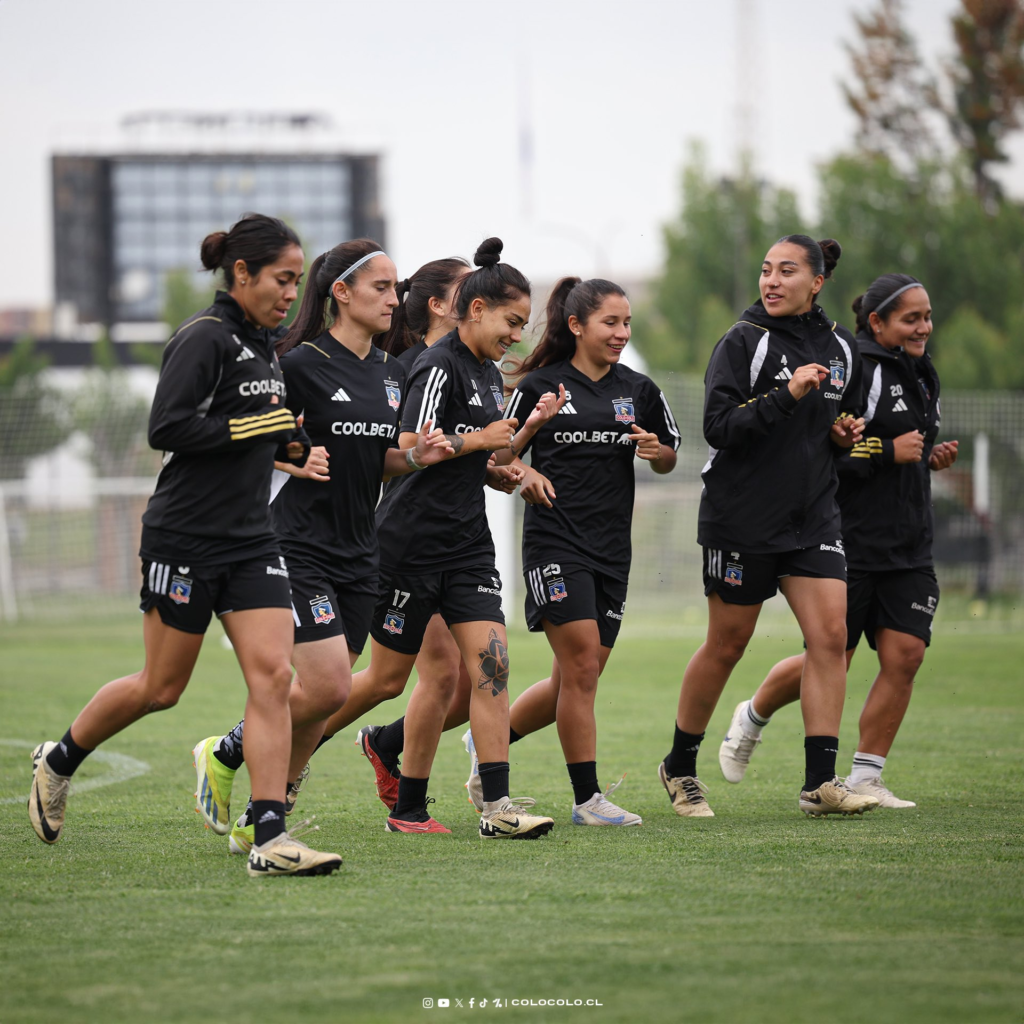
{"points": [[69, 522]]}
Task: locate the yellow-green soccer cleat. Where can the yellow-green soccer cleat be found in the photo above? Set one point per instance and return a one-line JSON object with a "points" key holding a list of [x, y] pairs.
{"points": [[242, 835], [213, 786], [287, 855], [834, 798], [48, 797]]}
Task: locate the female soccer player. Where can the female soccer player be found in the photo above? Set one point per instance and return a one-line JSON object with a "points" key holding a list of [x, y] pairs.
{"points": [[775, 389], [885, 501], [436, 548], [349, 393], [425, 314], [576, 547], [219, 413]]}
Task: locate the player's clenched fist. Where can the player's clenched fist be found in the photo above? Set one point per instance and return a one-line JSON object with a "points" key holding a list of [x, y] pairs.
{"points": [[498, 435]]}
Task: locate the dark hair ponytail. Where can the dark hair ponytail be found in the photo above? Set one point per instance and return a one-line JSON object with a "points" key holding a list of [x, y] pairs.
{"points": [[822, 256], [316, 313], [882, 292], [411, 320], [494, 282], [570, 297], [256, 239]]}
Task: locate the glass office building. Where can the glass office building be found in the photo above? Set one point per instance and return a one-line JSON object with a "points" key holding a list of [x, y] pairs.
{"points": [[121, 223]]}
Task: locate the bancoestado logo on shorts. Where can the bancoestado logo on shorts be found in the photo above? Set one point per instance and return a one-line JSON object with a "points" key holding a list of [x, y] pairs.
{"points": [[837, 547], [274, 571]]}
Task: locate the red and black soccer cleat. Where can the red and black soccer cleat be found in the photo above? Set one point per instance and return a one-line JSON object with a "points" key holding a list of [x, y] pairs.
{"points": [[387, 776]]}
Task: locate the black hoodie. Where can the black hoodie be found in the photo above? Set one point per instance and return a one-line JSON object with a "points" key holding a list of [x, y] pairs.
{"points": [[887, 508], [770, 481]]}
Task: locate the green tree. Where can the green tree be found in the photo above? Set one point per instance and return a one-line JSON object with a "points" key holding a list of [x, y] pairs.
{"points": [[182, 297], [33, 416], [713, 252]]}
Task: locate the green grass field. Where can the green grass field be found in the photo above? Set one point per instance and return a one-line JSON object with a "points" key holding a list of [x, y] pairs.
{"points": [[758, 914]]}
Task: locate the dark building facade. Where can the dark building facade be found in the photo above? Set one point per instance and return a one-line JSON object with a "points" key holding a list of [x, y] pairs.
{"points": [[121, 223]]}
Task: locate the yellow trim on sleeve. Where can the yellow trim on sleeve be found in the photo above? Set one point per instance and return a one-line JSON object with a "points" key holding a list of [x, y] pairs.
{"points": [[320, 350]]}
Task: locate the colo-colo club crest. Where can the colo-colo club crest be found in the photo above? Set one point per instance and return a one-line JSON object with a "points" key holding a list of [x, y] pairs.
{"points": [[836, 374], [323, 612], [624, 412], [499, 398], [394, 393]]}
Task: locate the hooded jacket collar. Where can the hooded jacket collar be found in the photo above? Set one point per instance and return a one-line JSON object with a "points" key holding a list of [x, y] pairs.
{"points": [[797, 323], [872, 348], [232, 314]]}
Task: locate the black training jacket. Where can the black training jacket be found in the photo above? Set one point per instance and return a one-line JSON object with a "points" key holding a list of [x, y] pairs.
{"points": [[770, 482], [887, 508], [220, 417]]}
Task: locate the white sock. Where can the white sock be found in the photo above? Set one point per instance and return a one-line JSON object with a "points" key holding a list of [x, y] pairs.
{"points": [[865, 768], [753, 723]]}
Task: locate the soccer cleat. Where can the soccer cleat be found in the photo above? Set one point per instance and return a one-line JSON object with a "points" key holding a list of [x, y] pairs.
{"points": [[401, 825], [213, 786], [880, 791], [291, 794], [834, 798], [738, 745], [686, 793], [242, 835], [48, 796], [599, 810], [473, 785], [286, 855], [387, 774], [510, 821]]}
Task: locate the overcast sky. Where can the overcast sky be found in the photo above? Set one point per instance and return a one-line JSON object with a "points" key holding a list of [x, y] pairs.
{"points": [[615, 90]]}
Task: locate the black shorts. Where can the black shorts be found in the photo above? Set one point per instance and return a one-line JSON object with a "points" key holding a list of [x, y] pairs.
{"points": [[406, 602], [567, 593], [904, 600], [751, 579], [322, 607], [187, 599]]}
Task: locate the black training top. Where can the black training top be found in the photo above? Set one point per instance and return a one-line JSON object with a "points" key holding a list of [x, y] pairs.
{"points": [[588, 453], [219, 414], [351, 406], [887, 508], [411, 354], [770, 481], [435, 519]]}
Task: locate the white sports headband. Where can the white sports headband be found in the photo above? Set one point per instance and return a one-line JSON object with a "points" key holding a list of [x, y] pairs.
{"points": [[899, 291], [356, 266]]}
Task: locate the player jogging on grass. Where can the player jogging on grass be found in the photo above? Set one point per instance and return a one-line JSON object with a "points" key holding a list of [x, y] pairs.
{"points": [[885, 501], [436, 547], [776, 387], [208, 547], [576, 532], [349, 394]]}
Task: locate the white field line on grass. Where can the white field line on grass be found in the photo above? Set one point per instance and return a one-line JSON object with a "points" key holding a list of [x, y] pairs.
{"points": [[121, 766]]}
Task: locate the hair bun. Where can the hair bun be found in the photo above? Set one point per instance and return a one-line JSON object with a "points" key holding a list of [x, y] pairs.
{"points": [[831, 250], [488, 253], [211, 252], [858, 304]]}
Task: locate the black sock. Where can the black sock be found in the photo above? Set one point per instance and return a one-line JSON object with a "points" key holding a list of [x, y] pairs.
{"points": [[513, 736], [390, 740], [323, 740], [412, 799], [268, 817], [682, 759], [583, 776], [819, 760], [66, 757], [494, 780], [229, 750]]}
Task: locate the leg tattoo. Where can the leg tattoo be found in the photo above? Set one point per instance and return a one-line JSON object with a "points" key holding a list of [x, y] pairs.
{"points": [[494, 665]]}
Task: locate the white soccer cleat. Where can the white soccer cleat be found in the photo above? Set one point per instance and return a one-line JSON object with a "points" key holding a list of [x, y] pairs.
{"points": [[474, 787], [686, 793], [48, 796], [510, 821], [286, 855], [880, 791], [738, 746], [599, 810], [834, 798]]}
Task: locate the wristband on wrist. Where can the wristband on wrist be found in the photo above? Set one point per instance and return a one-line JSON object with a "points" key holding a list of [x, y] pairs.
{"points": [[410, 460]]}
